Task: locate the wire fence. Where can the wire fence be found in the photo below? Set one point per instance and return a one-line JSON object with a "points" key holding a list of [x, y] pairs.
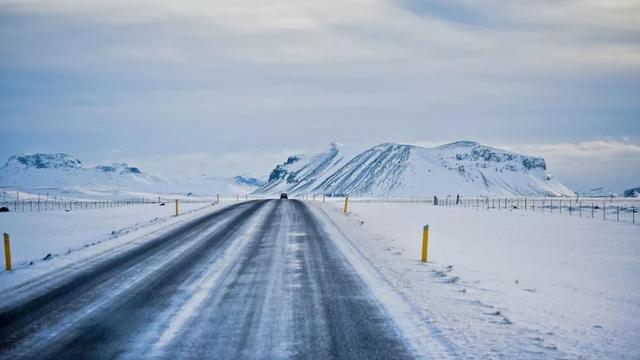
{"points": [[611, 208], [31, 205]]}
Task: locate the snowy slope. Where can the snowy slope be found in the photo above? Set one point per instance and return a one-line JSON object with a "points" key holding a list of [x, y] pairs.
{"points": [[464, 167], [635, 192], [62, 171], [302, 173]]}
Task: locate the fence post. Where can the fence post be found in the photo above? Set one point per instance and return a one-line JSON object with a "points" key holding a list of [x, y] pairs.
{"points": [[425, 243], [7, 252]]}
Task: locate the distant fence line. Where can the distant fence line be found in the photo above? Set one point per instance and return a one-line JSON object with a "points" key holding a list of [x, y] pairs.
{"points": [[610, 208], [30, 205]]}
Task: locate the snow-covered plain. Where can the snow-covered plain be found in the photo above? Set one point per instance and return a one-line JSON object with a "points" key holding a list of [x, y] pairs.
{"points": [[516, 285], [70, 236]]}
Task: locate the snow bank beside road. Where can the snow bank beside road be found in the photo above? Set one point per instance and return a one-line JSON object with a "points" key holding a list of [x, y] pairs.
{"points": [[516, 285]]}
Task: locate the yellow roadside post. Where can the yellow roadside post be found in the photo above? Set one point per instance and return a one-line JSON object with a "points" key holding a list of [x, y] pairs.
{"points": [[425, 242], [7, 252], [177, 207], [346, 204]]}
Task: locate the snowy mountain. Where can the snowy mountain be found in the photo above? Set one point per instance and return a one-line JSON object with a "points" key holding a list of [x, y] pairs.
{"points": [[302, 173], [62, 171], [466, 168], [205, 184], [635, 192], [248, 181]]}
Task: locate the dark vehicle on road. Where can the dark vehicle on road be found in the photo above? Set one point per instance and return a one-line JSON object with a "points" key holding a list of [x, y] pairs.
{"points": [[284, 196]]}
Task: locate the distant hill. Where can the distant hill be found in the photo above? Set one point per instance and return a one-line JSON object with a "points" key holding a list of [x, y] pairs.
{"points": [[63, 171], [635, 192], [598, 192]]}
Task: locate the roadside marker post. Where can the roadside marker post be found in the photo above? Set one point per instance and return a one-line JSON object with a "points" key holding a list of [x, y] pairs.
{"points": [[7, 252], [217, 199], [177, 209], [346, 204], [425, 243]]}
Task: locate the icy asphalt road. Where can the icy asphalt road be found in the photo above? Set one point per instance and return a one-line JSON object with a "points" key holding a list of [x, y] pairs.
{"points": [[262, 279]]}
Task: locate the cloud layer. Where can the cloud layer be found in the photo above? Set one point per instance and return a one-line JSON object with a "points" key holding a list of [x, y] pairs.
{"points": [[160, 78], [589, 164]]}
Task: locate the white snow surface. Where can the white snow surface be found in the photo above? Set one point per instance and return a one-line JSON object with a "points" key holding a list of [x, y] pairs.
{"points": [[512, 284], [74, 235], [464, 167]]}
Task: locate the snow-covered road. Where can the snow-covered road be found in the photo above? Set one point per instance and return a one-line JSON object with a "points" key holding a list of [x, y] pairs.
{"points": [[260, 279]]}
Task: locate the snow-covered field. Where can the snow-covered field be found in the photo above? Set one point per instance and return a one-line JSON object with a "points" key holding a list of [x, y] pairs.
{"points": [[69, 236], [517, 285]]}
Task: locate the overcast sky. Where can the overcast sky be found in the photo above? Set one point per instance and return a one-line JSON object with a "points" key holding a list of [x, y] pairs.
{"points": [[233, 87]]}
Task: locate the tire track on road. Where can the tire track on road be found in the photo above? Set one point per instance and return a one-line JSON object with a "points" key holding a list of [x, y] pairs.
{"points": [[83, 291]]}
